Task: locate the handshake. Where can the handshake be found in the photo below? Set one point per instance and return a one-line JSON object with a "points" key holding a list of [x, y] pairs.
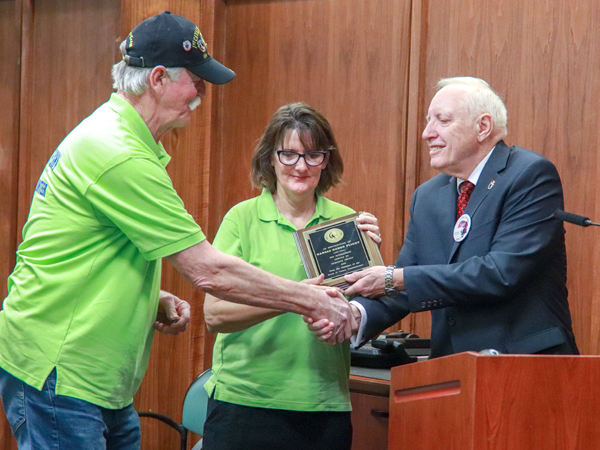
{"points": [[336, 320]]}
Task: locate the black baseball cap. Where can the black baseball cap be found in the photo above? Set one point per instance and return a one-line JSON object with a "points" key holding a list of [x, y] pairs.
{"points": [[173, 41]]}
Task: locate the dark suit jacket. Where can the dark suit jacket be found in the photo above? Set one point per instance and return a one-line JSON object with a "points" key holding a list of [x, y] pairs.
{"points": [[504, 285]]}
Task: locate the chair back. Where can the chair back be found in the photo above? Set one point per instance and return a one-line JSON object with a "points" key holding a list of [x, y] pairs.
{"points": [[195, 404]]}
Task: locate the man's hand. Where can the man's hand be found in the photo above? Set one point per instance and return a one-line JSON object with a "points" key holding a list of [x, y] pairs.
{"points": [[333, 310], [323, 329], [315, 281], [173, 314], [369, 283]]}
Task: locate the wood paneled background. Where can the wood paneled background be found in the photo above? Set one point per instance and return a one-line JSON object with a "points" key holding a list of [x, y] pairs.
{"points": [[368, 65]]}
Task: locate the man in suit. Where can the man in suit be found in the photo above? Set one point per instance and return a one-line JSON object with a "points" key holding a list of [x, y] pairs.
{"points": [[493, 275]]}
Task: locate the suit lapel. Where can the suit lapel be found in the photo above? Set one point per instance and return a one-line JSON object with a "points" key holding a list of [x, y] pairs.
{"points": [[490, 176]]}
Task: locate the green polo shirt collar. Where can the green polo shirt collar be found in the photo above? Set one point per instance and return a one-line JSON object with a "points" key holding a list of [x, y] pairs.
{"points": [[124, 109], [268, 212]]}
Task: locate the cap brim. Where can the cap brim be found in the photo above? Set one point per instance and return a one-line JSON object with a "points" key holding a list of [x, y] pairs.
{"points": [[212, 71]]}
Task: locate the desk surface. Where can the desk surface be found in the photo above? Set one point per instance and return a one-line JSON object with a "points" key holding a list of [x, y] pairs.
{"points": [[378, 374], [370, 381]]}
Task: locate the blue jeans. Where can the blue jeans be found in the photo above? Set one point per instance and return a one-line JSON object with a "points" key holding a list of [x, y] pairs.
{"points": [[46, 421]]}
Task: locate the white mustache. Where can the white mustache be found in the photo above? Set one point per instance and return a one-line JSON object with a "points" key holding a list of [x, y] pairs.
{"points": [[195, 103]]}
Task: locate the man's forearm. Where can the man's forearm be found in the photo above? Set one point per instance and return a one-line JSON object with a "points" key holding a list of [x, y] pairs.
{"points": [[233, 279], [227, 317]]}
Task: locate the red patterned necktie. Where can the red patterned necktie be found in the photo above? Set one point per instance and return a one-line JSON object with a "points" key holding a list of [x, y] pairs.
{"points": [[466, 188]]}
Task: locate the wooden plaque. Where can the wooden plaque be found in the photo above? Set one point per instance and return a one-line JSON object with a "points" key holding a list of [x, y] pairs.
{"points": [[336, 248]]}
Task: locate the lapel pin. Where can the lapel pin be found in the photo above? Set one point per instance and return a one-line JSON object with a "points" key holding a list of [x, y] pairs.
{"points": [[491, 185]]}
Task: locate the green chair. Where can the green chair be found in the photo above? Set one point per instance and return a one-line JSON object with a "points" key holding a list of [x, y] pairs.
{"points": [[193, 414]]}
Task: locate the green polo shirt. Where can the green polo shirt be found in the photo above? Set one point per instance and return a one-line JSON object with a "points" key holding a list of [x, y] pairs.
{"points": [[84, 292], [277, 363]]}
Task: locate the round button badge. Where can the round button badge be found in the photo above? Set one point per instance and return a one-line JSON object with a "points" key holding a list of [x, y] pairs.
{"points": [[462, 227]]}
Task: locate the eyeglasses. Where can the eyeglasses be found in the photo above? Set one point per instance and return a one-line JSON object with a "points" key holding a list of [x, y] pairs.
{"points": [[291, 158]]}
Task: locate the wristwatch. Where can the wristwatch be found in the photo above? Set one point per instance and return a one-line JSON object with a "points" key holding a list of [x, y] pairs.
{"points": [[389, 280]]}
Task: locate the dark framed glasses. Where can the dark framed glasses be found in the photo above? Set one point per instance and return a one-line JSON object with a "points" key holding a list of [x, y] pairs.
{"points": [[291, 157]]}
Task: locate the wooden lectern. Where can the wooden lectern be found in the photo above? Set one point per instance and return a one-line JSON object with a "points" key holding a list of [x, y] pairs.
{"points": [[507, 402]]}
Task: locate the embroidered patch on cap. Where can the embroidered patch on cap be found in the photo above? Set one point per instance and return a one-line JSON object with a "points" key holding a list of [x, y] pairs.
{"points": [[199, 42]]}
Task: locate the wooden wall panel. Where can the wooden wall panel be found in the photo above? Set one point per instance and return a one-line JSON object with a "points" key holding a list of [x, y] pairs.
{"points": [[347, 59], [420, 324], [10, 71], [68, 50], [541, 57], [10, 53]]}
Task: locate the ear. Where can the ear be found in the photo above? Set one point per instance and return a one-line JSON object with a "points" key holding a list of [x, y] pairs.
{"points": [[157, 78], [485, 126]]}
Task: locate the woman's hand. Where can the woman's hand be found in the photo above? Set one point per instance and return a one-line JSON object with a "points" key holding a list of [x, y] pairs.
{"points": [[368, 223], [323, 329]]}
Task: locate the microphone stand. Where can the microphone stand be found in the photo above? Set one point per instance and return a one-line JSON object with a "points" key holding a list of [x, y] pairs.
{"points": [[574, 218]]}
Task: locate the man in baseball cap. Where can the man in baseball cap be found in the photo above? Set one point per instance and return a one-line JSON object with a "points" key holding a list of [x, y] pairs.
{"points": [[84, 299]]}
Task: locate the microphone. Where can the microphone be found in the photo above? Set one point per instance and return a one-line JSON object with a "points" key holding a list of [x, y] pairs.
{"points": [[574, 218]]}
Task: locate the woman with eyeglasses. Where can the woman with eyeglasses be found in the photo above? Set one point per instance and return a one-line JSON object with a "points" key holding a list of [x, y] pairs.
{"points": [[275, 385]]}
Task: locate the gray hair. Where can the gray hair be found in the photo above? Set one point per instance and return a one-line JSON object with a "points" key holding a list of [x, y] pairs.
{"points": [[481, 98], [134, 80]]}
